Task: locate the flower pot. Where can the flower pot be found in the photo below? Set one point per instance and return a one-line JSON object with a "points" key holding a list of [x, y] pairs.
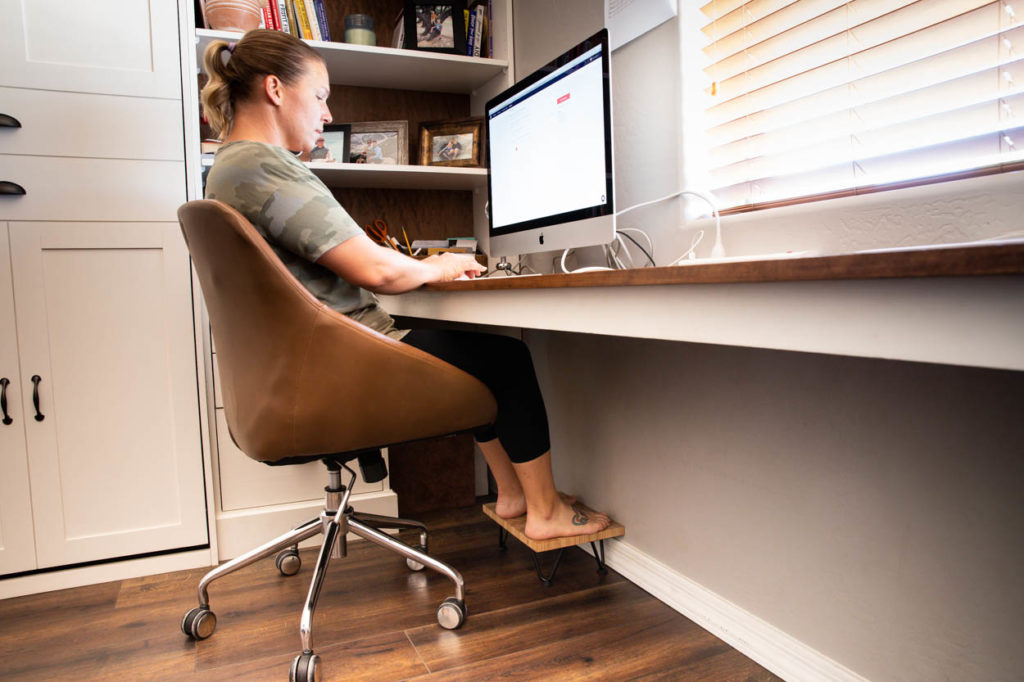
{"points": [[233, 15]]}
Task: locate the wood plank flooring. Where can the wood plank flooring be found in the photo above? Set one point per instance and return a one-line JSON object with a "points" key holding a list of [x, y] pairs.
{"points": [[375, 621]]}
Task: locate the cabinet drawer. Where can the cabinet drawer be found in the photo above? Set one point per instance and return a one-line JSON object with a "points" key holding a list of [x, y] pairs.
{"points": [[92, 189], [103, 126]]}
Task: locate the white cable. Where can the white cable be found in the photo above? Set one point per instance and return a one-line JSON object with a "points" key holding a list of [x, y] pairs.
{"points": [[624, 250], [650, 244], [717, 250], [698, 237], [586, 269], [648, 203]]}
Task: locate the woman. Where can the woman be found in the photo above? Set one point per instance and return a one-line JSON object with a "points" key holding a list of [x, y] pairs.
{"points": [[267, 95]]}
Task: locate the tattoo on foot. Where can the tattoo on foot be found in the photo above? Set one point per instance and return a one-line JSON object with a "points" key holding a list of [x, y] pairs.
{"points": [[579, 517]]}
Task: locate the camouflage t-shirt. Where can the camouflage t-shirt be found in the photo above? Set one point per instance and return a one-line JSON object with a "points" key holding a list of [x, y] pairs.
{"points": [[299, 218]]}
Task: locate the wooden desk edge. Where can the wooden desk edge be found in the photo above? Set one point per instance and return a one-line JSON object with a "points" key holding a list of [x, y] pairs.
{"points": [[958, 261], [516, 528]]}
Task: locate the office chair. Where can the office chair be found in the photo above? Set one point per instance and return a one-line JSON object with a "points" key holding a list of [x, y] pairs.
{"points": [[302, 382]]}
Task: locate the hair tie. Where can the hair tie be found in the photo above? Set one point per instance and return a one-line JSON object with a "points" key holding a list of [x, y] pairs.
{"points": [[231, 47]]}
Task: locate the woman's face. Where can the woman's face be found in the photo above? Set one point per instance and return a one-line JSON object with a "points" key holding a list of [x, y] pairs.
{"points": [[306, 111]]}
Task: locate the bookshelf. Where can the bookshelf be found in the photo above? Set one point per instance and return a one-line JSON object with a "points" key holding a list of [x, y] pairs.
{"points": [[390, 68], [368, 83], [359, 176]]}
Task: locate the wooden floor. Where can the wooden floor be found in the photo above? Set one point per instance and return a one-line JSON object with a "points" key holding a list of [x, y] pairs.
{"points": [[375, 621]]}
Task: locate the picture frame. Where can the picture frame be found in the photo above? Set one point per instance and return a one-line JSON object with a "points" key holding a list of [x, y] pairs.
{"points": [[379, 142], [435, 26], [398, 32], [453, 143], [333, 145]]}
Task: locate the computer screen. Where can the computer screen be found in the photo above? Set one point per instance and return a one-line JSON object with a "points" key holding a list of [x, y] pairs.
{"points": [[549, 143]]}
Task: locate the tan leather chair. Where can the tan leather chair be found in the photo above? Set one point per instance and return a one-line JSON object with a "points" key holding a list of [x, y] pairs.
{"points": [[302, 382]]}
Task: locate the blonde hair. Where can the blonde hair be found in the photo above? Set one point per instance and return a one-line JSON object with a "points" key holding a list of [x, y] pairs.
{"points": [[234, 70]]}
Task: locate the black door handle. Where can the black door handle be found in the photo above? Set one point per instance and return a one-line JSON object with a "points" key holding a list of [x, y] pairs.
{"points": [[8, 121], [4, 381], [35, 397], [12, 188]]}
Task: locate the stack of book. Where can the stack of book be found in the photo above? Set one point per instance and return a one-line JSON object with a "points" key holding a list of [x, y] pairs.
{"points": [[302, 18], [478, 20], [452, 244]]}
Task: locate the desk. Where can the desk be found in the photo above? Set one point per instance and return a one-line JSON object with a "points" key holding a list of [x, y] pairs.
{"points": [[957, 305]]}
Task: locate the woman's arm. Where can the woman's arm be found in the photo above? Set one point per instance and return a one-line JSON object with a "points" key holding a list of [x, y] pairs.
{"points": [[361, 262]]}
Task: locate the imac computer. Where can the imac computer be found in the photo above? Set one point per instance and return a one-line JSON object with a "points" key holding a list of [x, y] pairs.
{"points": [[549, 145]]}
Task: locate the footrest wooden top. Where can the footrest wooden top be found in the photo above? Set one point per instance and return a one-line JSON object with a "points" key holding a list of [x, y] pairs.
{"points": [[517, 528]]}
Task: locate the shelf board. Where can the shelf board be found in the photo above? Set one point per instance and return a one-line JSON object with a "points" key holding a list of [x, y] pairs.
{"points": [[396, 177], [400, 177], [385, 67]]}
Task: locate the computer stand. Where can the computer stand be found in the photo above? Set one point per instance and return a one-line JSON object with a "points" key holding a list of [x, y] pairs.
{"points": [[504, 266]]}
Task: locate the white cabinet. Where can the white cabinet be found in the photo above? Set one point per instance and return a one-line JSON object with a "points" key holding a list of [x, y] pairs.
{"points": [[17, 548], [103, 458], [120, 48], [104, 319]]}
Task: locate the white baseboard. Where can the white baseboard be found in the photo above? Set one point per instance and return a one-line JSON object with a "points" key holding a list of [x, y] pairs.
{"points": [[102, 573], [759, 640]]}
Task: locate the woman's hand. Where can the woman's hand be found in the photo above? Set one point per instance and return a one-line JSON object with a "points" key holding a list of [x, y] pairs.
{"points": [[454, 265], [385, 271]]}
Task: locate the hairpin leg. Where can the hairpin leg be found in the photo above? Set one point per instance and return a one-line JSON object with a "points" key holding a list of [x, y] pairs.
{"points": [[599, 557], [502, 538], [547, 580]]}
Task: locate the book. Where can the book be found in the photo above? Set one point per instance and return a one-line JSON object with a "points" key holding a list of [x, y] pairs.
{"points": [[293, 19], [274, 20], [321, 18], [282, 14], [470, 32], [314, 25], [478, 37], [267, 19], [305, 30]]}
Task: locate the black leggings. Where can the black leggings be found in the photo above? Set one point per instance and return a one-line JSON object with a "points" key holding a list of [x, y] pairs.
{"points": [[503, 364]]}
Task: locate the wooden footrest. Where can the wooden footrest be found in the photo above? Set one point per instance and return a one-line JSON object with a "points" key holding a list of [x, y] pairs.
{"points": [[516, 527]]}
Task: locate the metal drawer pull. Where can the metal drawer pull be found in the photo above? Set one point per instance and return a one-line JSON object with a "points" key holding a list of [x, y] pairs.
{"points": [[12, 188], [35, 397], [3, 400], [8, 121]]}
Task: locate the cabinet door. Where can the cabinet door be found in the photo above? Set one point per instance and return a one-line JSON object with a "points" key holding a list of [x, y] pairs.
{"points": [[117, 48], [17, 551], [104, 319]]}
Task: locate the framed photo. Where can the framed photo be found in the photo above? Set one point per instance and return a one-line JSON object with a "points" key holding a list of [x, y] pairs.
{"points": [[379, 142], [452, 143], [435, 27], [333, 145]]}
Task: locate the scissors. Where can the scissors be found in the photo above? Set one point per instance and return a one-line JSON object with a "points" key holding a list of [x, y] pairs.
{"points": [[378, 232]]}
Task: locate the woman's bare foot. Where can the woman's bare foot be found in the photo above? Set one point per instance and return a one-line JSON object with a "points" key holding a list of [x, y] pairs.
{"points": [[564, 520], [514, 506], [510, 506]]}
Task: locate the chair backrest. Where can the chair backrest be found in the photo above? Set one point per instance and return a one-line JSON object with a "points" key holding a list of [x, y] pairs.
{"points": [[299, 378]]}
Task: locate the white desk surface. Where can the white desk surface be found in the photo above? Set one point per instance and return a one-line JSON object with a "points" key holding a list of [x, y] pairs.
{"points": [[958, 306]]}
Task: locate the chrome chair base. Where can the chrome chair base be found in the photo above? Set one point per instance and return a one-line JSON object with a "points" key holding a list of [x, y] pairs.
{"points": [[335, 522]]}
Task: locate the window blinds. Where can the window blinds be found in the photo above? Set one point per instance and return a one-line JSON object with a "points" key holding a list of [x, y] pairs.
{"points": [[819, 98]]}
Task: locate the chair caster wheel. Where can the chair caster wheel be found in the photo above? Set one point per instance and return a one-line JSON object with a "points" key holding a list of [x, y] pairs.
{"points": [[451, 614], [288, 561], [304, 668], [412, 563], [199, 623]]}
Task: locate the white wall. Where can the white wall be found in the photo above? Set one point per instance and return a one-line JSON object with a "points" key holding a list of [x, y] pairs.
{"points": [[870, 509]]}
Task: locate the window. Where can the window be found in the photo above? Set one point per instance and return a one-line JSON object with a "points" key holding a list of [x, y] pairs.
{"points": [[812, 99]]}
